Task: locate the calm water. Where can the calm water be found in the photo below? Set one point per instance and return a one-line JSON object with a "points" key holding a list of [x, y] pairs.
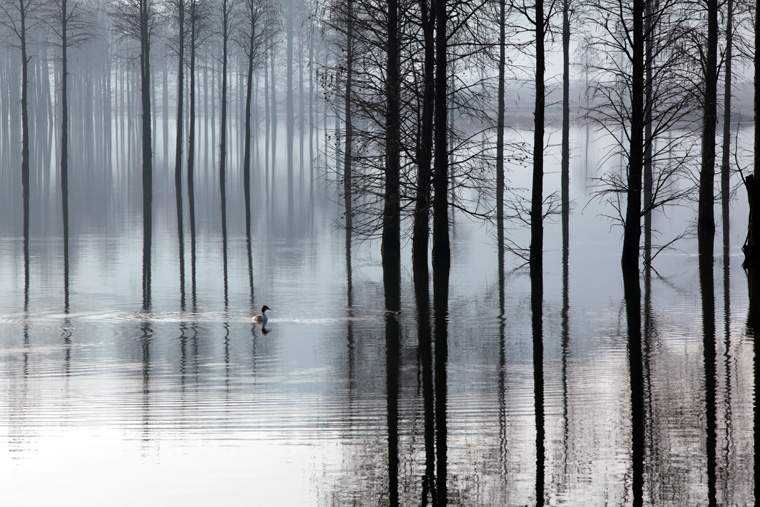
{"points": [[186, 402]]}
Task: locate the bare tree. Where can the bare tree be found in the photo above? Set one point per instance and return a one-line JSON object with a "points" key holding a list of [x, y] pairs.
{"points": [[709, 57], [258, 26], [226, 28], [71, 22], [623, 108], [136, 19], [18, 18]]}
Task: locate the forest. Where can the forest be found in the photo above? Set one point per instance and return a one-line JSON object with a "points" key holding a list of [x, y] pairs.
{"points": [[404, 114], [413, 98]]}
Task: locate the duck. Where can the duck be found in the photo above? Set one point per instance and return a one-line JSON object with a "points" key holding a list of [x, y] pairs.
{"points": [[262, 319]]}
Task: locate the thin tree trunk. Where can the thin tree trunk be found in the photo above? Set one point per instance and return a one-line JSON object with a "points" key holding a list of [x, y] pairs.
{"points": [[65, 147], [648, 141], [312, 72], [247, 147], [226, 6], [290, 120], [147, 153], [565, 176], [347, 172], [725, 170], [24, 129]]}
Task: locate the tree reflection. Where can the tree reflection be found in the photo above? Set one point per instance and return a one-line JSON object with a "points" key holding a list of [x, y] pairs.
{"points": [[441, 308], [391, 279], [636, 371], [425, 351], [706, 284], [536, 303]]}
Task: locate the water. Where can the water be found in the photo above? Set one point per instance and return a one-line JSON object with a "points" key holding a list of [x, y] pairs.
{"points": [[186, 402]]}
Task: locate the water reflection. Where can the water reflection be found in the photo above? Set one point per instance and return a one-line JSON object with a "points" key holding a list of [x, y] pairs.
{"points": [[635, 365], [706, 283], [441, 311], [392, 281], [537, 319]]}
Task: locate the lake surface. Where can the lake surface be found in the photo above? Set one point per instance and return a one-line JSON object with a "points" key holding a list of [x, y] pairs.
{"points": [[184, 401]]}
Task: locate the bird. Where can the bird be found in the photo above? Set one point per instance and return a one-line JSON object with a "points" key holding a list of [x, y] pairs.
{"points": [[262, 319]]}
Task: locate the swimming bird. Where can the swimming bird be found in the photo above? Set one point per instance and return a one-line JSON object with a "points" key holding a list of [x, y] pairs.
{"points": [[262, 319]]}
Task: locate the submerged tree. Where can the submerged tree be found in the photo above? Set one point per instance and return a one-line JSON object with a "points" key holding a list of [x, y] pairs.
{"points": [[71, 22], [706, 216], [624, 106], [256, 32], [136, 19], [18, 18]]}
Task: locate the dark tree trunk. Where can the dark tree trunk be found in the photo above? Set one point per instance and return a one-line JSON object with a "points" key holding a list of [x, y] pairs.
{"points": [[191, 128], [24, 127], [537, 197], [65, 147], [752, 244], [500, 135], [425, 143], [648, 140], [191, 151], [441, 244], [725, 169], [706, 218], [632, 228], [226, 20], [178, 150], [147, 145], [391, 244], [348, 159], [565, 172], [247, 142]]}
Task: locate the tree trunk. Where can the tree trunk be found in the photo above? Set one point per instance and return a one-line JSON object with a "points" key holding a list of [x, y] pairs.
{"points": [[565, 172], [223, 118], [706, 218], [147, 154], [290, 120], [425, 143], [725, 170], [537, 197], [247, 142], [347, 161], [648, 140], [24, 126], [391, 245], [752, 244], [441, 245], [632, 227], [180, 119], [65, 147]]}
